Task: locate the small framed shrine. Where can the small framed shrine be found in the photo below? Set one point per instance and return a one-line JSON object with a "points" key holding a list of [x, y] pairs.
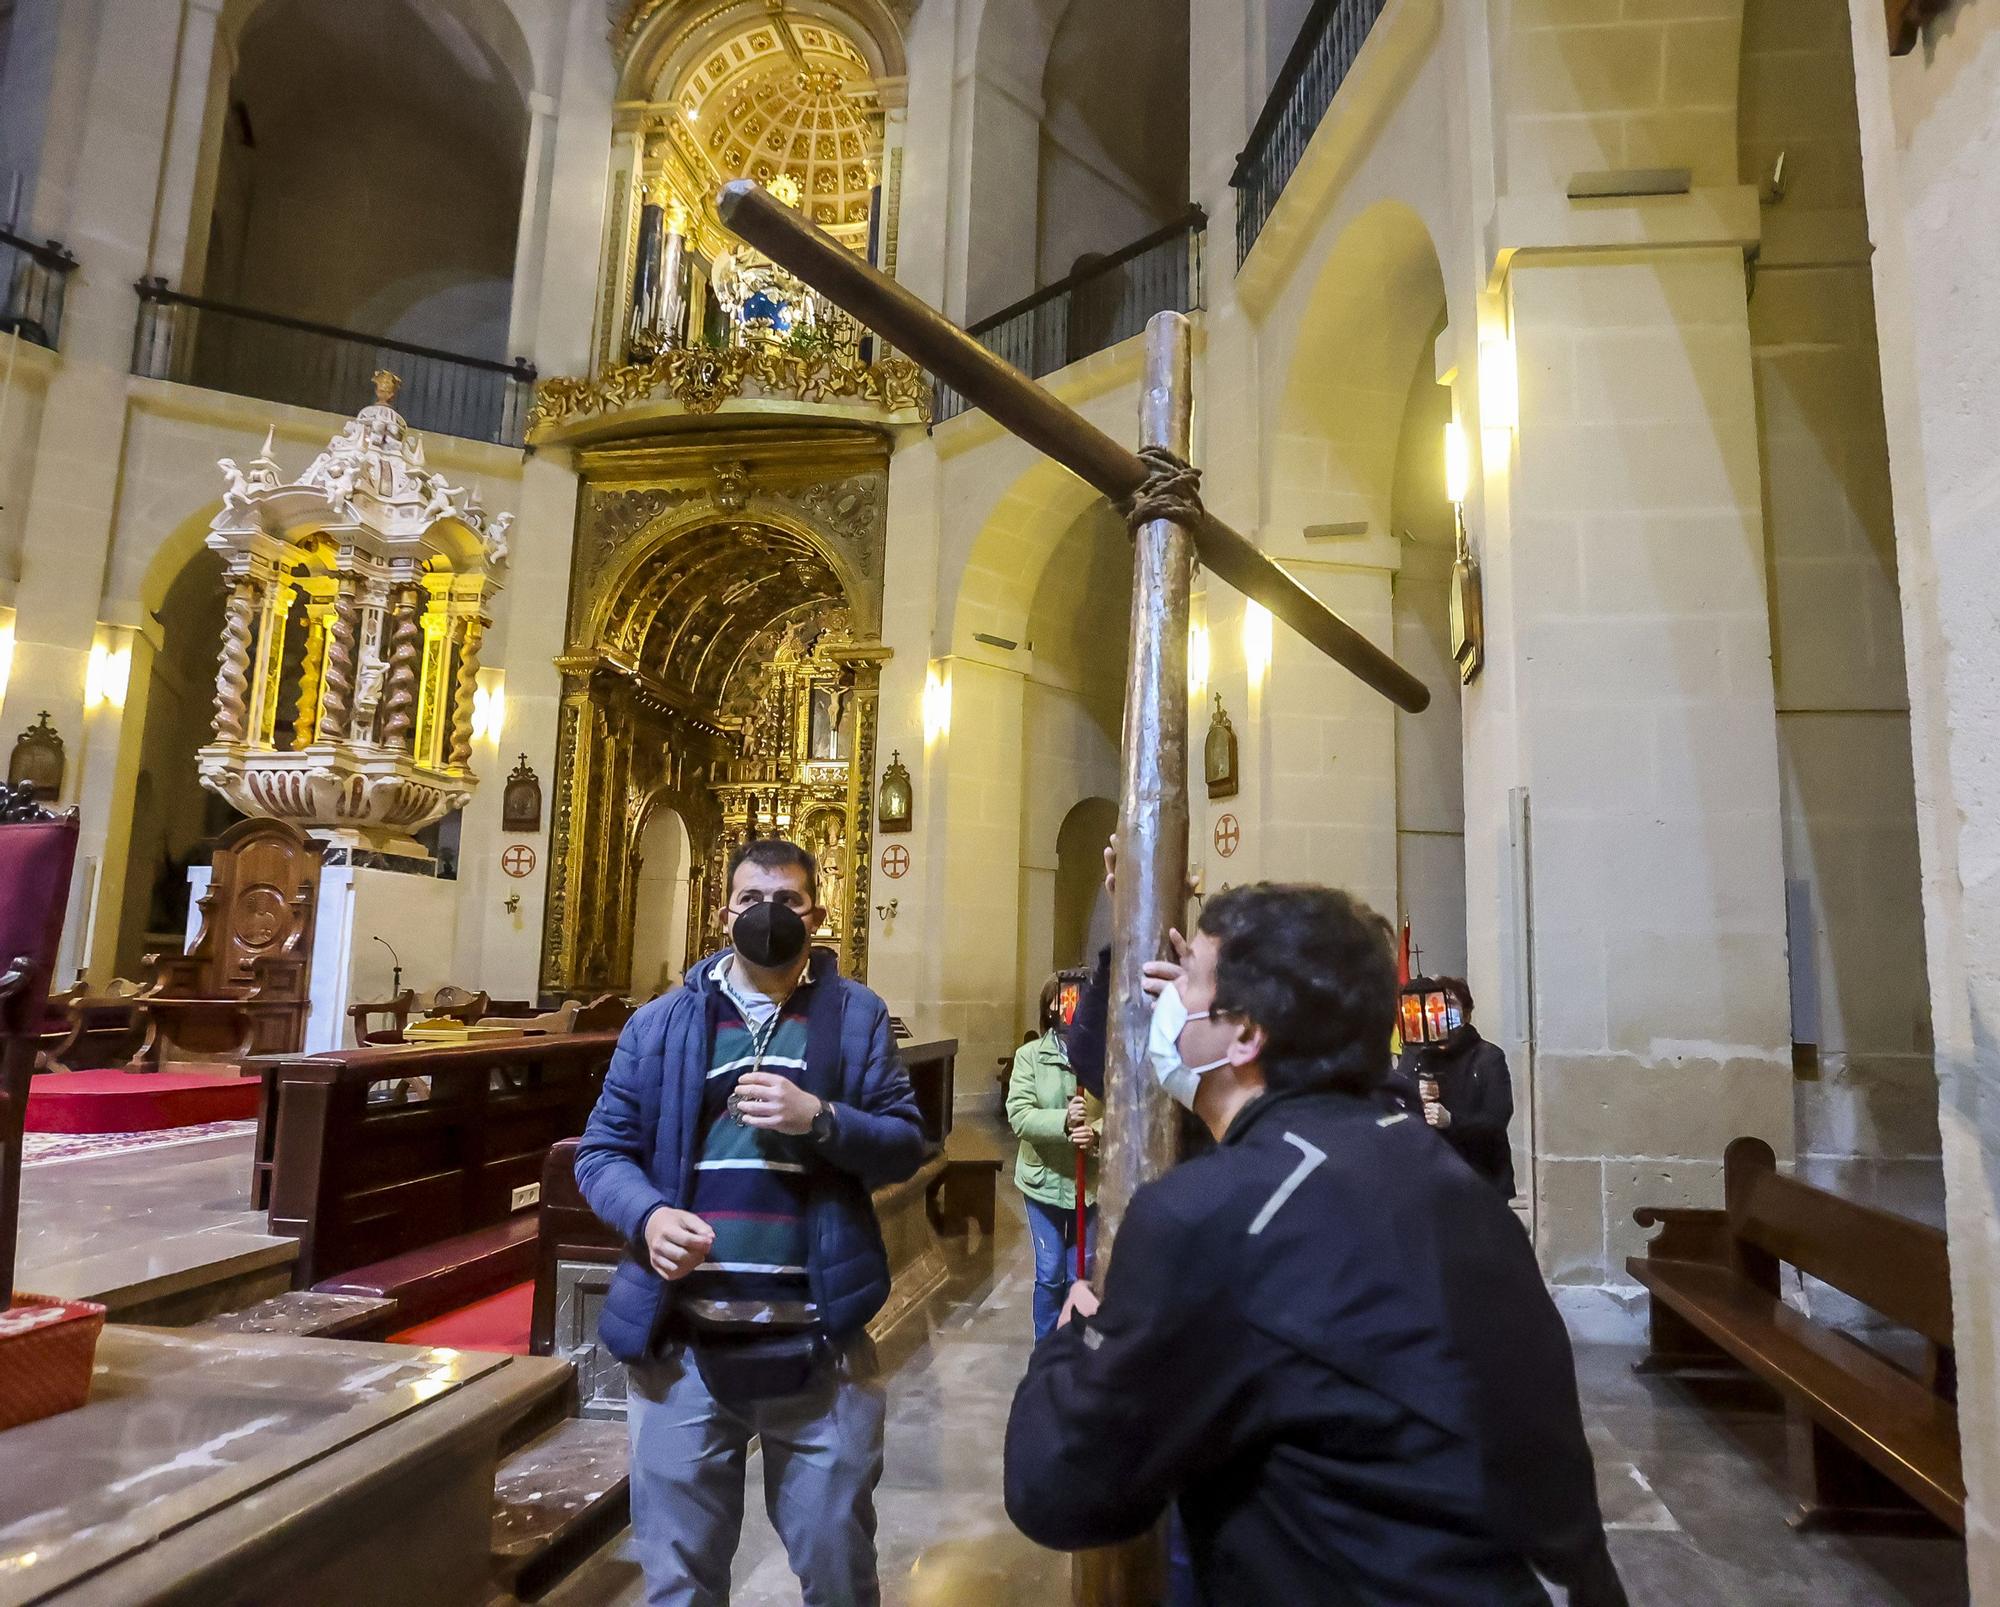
{"points": [[38, 762], [1218, 753], [521, 803]]}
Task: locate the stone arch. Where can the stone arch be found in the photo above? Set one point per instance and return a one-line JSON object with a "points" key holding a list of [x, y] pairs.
{"points": [[619, 582], [1004, 567], [660, 41], [1370, 311], [1577, 94], [417, 114], [492, 25]]}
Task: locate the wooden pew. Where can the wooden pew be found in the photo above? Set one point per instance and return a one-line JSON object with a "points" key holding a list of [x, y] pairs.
{"points": [[369, 1155], [1863, 1434]]}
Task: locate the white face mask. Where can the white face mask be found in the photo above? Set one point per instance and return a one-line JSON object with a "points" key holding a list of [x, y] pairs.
{"points": [[1163, 1047]]}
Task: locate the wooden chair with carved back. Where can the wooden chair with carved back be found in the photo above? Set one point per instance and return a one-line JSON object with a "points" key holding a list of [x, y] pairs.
{"points": [[243, 987], [37, 856]]}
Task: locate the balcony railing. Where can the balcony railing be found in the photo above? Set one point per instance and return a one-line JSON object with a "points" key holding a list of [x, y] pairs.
{"points": [[1333, 34], [1094, 308], [276, 359], [33, 280]]}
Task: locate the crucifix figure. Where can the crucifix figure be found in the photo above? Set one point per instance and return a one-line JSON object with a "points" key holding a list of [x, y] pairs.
{"points": [[1171, 529]]}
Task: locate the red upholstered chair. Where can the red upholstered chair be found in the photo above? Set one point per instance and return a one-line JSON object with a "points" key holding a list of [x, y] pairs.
{"points": [[37, 855]]}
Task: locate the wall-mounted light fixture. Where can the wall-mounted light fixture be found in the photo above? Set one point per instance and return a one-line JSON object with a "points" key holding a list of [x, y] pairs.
{"points": [[1256, 641], [108, 676], [1197, 661], [1457, 464], [893, 802], [937, 705], [1468, 623], [1499, 384], [489, 706]]}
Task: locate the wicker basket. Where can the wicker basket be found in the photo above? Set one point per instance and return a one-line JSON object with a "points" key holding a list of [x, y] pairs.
{"points": [[47, 1349]]}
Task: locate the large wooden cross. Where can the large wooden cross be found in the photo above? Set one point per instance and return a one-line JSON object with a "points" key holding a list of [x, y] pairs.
{"points": [[1151, 892], [1153, 806]]}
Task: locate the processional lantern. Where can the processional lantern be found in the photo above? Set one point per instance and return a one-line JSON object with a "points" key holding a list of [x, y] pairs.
{"points": [[350, 640], [1431, 1013]]}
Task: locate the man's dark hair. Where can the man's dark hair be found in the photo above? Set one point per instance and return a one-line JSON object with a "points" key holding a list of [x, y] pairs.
{"points": [[771, 853], [1310, 965], [1458, 988]]}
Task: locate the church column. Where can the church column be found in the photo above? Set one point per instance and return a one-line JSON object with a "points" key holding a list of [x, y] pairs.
{"points": [[466, 635], [343, 644], [312, 675], [1628, 693], [969, 834], [399, 698], [503, 947], [232, 675]]}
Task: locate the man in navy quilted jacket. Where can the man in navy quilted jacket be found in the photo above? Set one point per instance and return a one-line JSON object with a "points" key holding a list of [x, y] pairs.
{"points": [[745, 1120]]}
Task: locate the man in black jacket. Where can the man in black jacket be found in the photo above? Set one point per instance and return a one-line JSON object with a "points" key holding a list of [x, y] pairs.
{"points": [[1325, 1339], [1461, 1088]]}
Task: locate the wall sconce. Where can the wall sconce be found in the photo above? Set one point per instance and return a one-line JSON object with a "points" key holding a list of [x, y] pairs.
{"points": [[108, 676], [1499, 384], [511, 903], [1468, 612], [937, 705], [1197, 661], [489, 706], [886, 912], [1457, 464], [6, 651], [1256, 641], [893, 800]]}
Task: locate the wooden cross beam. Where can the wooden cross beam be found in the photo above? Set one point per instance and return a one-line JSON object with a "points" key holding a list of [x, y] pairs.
{"points": [[1016, 402]]}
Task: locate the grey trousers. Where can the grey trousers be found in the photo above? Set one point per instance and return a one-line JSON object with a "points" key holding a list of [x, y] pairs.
{"points": [[822, 1460]]}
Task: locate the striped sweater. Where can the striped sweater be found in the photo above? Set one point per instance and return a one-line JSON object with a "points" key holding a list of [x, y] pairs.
{"points": [[750, 1183]]}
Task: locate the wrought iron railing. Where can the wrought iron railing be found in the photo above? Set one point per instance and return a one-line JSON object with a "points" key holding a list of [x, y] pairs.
{"points": [[33, 281], [277, 359], [1095, 307], [1322, 57]]}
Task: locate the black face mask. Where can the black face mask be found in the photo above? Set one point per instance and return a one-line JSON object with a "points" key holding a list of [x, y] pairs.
{"points": [[769, 935]]}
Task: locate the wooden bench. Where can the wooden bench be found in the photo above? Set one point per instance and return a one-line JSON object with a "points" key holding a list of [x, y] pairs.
{"points": [[1863, 1433], [364, 1155]]}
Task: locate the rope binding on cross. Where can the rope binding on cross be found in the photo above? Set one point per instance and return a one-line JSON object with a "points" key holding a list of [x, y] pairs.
{"points": [[1171, 490]]}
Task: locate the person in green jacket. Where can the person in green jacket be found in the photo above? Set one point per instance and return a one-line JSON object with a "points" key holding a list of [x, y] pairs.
{"points": [[1055, 1121]]}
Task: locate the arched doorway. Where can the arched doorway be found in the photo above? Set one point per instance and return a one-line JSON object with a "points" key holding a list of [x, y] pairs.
{"points": [[722, 665], [1083, 907], [173, 815], [662, 876]]}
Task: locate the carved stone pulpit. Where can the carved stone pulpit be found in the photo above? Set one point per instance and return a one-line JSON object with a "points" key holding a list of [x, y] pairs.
{"points": [[350, 645]]}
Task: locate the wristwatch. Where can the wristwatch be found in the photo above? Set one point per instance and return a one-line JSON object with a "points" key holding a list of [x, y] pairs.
{"points": [[822, 1124]]}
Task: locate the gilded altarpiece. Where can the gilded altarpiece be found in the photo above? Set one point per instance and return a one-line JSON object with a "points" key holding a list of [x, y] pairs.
{"points": [[723, 660]]}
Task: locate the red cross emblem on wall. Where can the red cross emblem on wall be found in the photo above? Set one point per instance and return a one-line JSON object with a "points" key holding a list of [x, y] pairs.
{"points": [[518, 861], [1228, 835], [895, 862]]}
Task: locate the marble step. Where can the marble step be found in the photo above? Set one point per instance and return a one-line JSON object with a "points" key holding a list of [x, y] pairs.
{"points": [[303, 1314], [556, 1501]]}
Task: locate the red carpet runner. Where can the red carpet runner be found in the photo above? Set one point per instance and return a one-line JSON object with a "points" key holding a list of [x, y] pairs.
{"points": [[137, 1102], [497, 1323]]}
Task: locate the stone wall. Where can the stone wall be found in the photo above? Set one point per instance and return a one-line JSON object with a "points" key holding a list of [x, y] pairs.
{"points": [[1929, 121]]}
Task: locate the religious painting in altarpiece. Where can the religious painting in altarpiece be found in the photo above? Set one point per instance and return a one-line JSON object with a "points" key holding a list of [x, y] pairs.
{"points": [[723, 660]]}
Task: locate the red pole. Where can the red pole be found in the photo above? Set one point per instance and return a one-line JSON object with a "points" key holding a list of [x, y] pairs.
{"points": [[1081, 1218]]}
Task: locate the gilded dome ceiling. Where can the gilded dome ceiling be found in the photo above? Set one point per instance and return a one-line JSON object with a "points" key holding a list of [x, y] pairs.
{"points": [[792, 101]]}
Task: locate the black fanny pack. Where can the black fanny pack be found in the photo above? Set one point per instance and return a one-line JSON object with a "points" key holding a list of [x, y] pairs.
{"points": [[761, 1367]]}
